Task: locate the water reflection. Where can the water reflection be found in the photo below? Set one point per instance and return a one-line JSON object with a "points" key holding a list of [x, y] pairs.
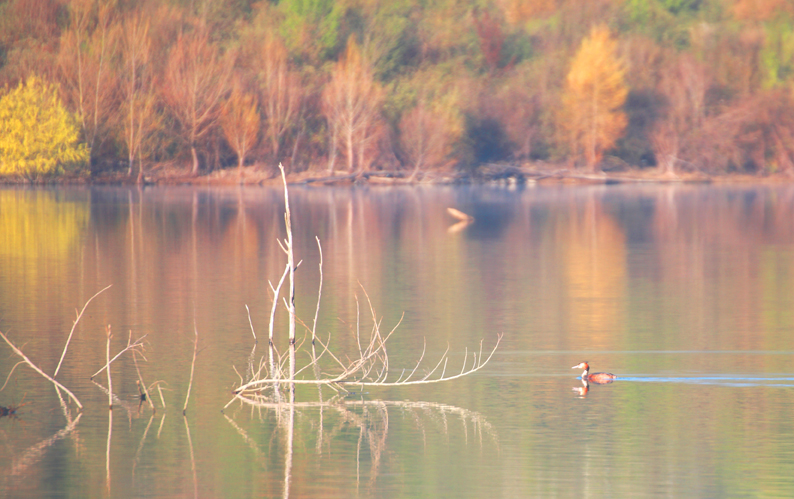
{"points": [[328, 421], [581, 391], [690, 288]]}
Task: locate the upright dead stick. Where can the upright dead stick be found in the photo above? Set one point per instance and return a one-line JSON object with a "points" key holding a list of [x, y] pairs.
{"points": [[276, 291], [110, 383], [192, 369], [35, 368], [291, 264], [74, 325], [319, 292], [141, 385]]}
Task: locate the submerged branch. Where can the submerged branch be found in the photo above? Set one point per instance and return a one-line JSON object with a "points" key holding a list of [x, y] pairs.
{"points": [[35, 368]]}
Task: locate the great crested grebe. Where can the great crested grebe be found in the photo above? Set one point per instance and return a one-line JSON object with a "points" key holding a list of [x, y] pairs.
{"points": [[597, 378]]}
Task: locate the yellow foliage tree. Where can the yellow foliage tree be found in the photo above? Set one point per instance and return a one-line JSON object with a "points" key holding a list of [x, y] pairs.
{"points": [[38, 136], [594, 97]]}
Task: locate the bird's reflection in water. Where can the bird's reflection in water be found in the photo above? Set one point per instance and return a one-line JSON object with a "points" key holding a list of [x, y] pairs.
{"points": [[581, 391]]}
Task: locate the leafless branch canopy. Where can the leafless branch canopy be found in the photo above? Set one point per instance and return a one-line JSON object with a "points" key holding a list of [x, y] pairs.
{"points": [[370, 368]]}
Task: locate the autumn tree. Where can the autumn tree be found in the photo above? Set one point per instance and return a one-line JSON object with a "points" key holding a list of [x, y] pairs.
{"points": [[594, 96], [87, 49], [521, 11], [429, 129], [38, 136], [351, 104], [683, 84], [138, 100], [196, 80], [240, 122], [491, 37], [281, 93], [29, 33]]}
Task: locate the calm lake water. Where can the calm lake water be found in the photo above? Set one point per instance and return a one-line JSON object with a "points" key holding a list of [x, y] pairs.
{"points": [[686, 292]]}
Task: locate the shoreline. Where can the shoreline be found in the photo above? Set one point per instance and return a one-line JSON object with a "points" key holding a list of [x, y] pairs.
{"points": [[489, 174]]}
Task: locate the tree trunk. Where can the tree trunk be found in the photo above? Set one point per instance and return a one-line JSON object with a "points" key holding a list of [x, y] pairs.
{"points": [[349, 140], [195, 161], [140, 171], [332, 152]]}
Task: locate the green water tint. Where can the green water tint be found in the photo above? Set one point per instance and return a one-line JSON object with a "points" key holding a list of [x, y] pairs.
{"points": [[684, 292]]}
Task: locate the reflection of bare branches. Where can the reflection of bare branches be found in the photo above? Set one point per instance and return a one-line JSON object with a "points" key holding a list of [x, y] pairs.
{"points": [[116, 401], [34, 453], [192, 458], [140, 446], [371, 417], [288, 454], [107, 449]]}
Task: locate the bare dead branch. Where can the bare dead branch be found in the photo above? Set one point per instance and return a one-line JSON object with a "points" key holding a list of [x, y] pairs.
{"points": [[74, 325], [192, 370], [35, 368], [138, 344]]}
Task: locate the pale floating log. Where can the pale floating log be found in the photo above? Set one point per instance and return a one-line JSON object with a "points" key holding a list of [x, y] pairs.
{"points": [[459, 215]]}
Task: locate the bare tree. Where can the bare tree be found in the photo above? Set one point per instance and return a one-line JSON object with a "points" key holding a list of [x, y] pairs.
{"points": [[137, 92], [426, 136], [281, 93], [196, 81], [351, 104], [684, 85], [86, 51], [370, 368], [240, 122]]}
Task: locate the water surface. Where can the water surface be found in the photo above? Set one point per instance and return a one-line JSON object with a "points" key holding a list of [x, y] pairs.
{"points": [[685, 292]]}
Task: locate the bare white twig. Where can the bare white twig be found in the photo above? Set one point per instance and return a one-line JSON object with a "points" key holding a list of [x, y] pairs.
{"points": [[251, 323], [192, 369], [130, 346], [319, 292], [110, 383]]}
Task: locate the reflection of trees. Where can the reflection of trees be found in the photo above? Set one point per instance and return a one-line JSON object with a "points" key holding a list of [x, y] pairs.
{"points": [[39, 232], [594, 249], [328, 421]]}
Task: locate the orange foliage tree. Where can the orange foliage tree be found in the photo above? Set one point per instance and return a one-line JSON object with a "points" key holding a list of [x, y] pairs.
{"points": [[196, 81], [351, 104], [594, 96], [240, 122]]}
